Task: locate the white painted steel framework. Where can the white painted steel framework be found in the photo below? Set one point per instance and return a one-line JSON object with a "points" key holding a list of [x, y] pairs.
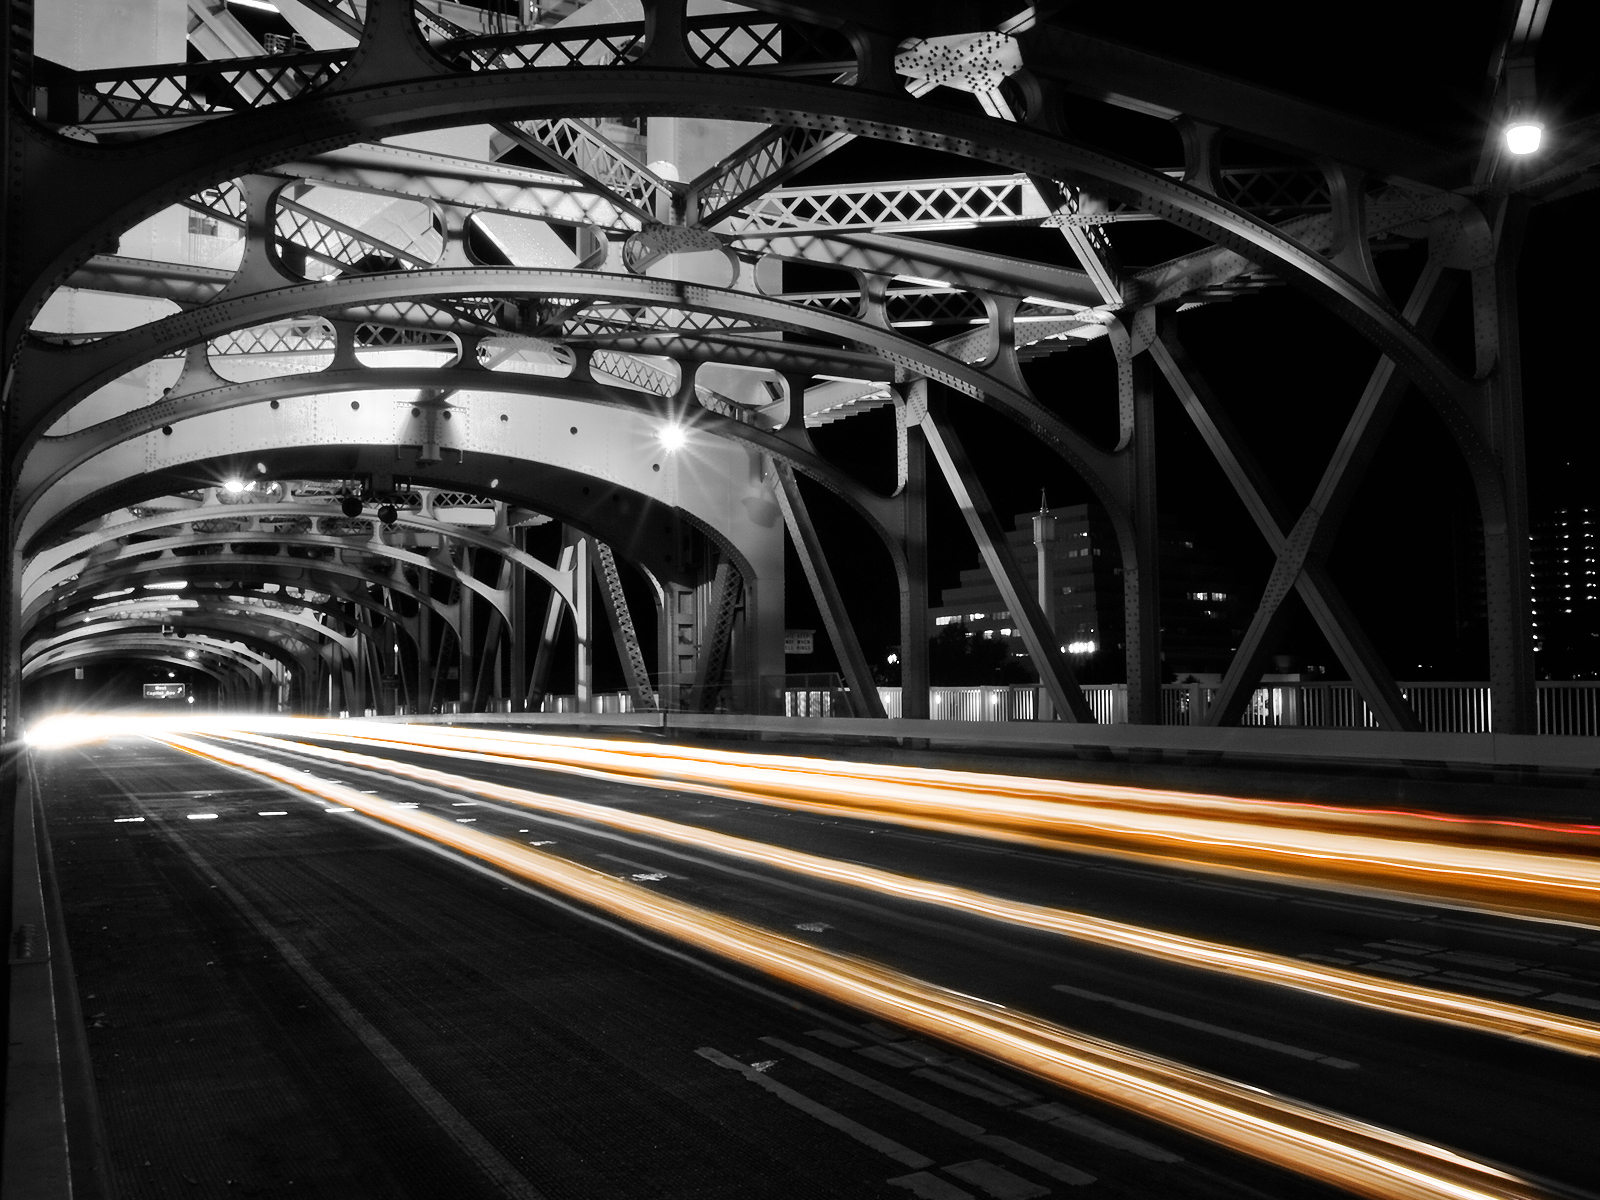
{"points": [[297, 349]]}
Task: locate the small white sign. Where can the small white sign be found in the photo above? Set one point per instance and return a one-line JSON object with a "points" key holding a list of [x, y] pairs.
{"points": [[799, 641], [165, 691]]}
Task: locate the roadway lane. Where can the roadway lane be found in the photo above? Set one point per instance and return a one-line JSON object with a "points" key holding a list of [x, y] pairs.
{"points": [[1499, 1100], [304, 997]]}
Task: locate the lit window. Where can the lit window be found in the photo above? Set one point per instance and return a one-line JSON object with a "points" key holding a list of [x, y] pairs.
{"points": [[1080, 648], [945, 620], [976, 616]]}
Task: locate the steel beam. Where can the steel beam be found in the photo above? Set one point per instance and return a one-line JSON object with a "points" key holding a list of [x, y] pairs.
{"points": [[1055, 672], [830, 601], [614, 600]]}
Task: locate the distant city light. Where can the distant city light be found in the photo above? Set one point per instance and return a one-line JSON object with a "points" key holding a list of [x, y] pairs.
{"points": [[1524, 136], [1081, 647], [672, 437]]}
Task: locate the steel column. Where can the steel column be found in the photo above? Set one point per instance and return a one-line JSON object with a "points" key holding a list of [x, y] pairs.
{"points": [[615, 602], [914, 624], [1055, 673], [1514, 704], [830, 602]]}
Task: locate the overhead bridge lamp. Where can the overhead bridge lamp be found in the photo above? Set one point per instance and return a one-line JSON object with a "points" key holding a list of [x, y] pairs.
{"points": [[1524, 133]]}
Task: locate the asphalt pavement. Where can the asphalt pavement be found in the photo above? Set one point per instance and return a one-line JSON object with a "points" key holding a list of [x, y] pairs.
{"points": [[276, 992]]}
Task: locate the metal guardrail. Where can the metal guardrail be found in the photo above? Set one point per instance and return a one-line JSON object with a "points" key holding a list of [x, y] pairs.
{"points": [[1569, 708], [1566, 708]]}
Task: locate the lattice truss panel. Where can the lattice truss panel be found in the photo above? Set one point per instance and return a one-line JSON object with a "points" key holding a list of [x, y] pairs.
{"points": [[921, 204]]}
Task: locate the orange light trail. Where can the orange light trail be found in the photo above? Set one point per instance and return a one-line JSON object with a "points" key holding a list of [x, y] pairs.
{"points": [[1533, 869], [1362, 1158], [1550, 1030]]}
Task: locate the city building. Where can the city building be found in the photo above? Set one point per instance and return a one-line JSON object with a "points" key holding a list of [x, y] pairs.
{"points": [[1202, 610], [1565, 594]]}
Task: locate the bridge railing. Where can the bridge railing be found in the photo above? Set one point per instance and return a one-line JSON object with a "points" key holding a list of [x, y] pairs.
{"points": [[1571, 708], [1565, 707]]}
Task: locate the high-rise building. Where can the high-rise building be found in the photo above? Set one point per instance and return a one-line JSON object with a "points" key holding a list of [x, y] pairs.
{"points": [[1200, 603], [1565, 586]]}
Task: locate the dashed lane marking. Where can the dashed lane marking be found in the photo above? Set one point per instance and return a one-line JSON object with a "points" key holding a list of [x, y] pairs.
{"points": [[1206, 1027], [506, 1178], [925, 1185], [996, 1181], [1073, 1121], [1026, 1155], [837, 1120]]}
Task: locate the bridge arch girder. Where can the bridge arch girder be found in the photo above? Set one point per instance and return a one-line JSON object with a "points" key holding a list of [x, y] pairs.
{"points": [[224, 671], [317, 575], [180, 163], [136, 550], [222, 627], [296, 624], [259, 666], [641, 513], [102, 361], [55, 458]]}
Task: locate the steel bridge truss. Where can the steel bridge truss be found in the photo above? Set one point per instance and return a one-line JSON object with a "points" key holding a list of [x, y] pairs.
{"points": [[372, 269]]}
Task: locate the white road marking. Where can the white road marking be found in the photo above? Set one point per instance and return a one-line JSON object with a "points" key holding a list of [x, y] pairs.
{"points": [[201, 816], [887, 1057], [813, 926], [494, 1166], [1481, 983], [1207, 1027], [466, 820], [837, 1120], [1073, 1121], [126, 820], [639, 866], [965, 1088], [463, 804], [1569, 998], [832, 1038], [648, 876], [338, 808], [277, 812], [997, 1181], [1026, 1155], [926, 1186], [541, 843]]}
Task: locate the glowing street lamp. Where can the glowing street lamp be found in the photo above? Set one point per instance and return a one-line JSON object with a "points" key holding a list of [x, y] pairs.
{"points": [[234, 486], [672, 437], [1524, 135]]}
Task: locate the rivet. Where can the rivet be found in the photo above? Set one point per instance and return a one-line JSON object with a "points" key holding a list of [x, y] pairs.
{"points": [[655, 466], [354, 405]]}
